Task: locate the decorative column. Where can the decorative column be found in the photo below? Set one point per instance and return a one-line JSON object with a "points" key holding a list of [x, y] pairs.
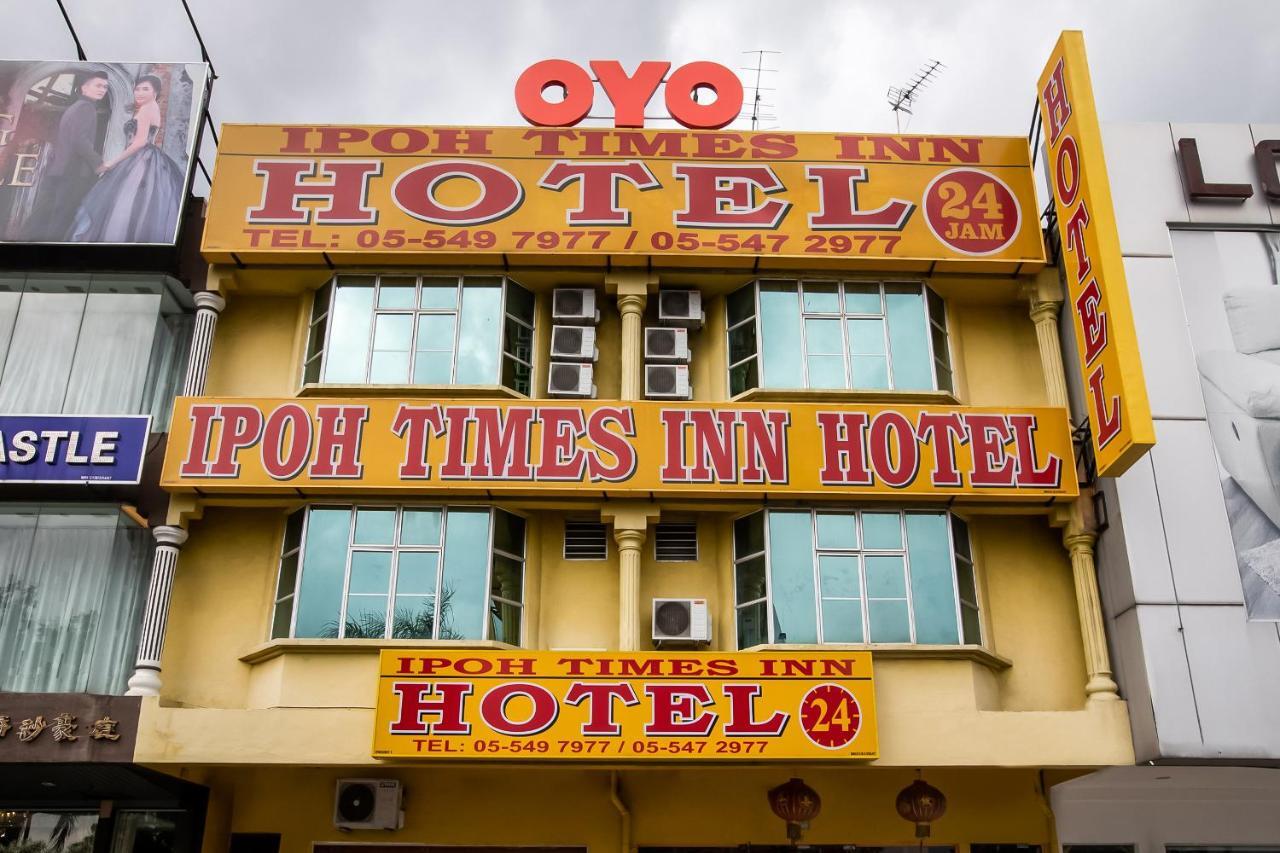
{"points": [[146, 676], [632, 290], [630, 521], [1079, 541], [629, 544], [1045, 300], [208, 306]]}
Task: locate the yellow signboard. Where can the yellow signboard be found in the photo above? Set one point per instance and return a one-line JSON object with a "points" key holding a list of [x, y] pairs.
{"points": [[1110, 367], [549, 706], [295, 194], [633, 448]]}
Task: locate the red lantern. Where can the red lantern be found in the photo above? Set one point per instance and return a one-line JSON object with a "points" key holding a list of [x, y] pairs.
{"points": [[797, 804], [921, 803]]}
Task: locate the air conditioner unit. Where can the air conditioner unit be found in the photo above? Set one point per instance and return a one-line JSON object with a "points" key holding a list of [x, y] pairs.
{"points": [[574, 343], [574, 305], [367, 804], [681, 620], [680, 308], [670, 345], [667, 382], [570, 380]]}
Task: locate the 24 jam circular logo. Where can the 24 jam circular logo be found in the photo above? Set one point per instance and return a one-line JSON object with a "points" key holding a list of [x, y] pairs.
{"points": [[830, 716], [971, 211]]}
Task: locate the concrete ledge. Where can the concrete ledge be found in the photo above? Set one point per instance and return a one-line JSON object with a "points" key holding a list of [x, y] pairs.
{"points": [[917, 737], [275, 648]]}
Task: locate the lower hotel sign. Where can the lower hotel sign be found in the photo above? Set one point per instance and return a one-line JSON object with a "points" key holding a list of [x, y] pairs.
{"points": [[625, 706]]}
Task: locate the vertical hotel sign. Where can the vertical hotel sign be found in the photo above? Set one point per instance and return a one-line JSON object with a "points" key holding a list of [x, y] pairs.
{"points": [[1111, 370]]}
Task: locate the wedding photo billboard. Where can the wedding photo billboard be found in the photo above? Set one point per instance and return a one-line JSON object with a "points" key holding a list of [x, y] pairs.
{"points": [[97, 152]]}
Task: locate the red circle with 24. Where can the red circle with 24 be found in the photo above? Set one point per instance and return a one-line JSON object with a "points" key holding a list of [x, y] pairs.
{"points": [[830, 716], [971, 211]]}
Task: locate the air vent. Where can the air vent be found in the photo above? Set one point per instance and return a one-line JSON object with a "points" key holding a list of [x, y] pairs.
{"points": [[575, 305], [684, 620], [585, 540], [570, 380], [675, 541], [680, 308], [667, 382], [573, 343], [666, 345]]}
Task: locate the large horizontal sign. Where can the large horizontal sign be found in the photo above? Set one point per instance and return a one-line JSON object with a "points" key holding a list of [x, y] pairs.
{"points": [[625, 706], [97, 152], [637, 448], [72, 448], [292, 193], [1110, 367]]}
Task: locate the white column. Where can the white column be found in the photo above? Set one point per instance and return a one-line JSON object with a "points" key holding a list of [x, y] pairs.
{"points": [[631, 307], [208, 306], [146, 675], [629, 544]]}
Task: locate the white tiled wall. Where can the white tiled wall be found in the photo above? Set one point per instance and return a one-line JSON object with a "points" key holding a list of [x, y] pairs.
{"points": [[1202, 681]]}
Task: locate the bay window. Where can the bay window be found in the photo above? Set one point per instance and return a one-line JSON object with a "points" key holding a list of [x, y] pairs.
{"points": [[72, 583], [822, 334], [401, 572], [421, 330], [854, 576], [92, 344]]}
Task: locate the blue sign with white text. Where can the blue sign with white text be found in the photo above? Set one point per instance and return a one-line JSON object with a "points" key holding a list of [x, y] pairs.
{"points": [[73, 448]]}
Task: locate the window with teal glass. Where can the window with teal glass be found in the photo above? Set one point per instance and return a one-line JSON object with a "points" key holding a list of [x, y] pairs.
{"points": [[421, 330], [856, 335], [402, 572], [854, 576]]}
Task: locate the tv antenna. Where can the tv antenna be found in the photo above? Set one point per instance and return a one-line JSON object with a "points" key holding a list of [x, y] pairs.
{"points": [[757, 103], [903, 98]]}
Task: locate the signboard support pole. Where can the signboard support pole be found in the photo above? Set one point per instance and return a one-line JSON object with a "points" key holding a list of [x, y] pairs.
{"points": [[146, 677], [208, 307]]}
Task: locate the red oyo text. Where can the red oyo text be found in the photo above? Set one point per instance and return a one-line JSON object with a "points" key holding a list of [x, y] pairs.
{"points": [[629, 93]]}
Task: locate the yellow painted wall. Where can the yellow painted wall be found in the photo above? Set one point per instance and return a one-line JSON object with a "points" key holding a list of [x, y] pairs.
{"points": [[954, 709], [669, 807]]}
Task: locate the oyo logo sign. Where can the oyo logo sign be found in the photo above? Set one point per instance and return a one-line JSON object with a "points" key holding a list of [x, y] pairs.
{"points": [[630, 94]]}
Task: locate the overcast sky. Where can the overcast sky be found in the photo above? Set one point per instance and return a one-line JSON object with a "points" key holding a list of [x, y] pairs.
{"points": [[420, 62]]}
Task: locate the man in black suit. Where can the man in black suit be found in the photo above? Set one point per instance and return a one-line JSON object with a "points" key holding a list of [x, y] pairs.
{"points": [[72, 168]]}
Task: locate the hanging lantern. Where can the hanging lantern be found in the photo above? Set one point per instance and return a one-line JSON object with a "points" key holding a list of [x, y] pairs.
{"points": [[797, 804], [921, 803]]}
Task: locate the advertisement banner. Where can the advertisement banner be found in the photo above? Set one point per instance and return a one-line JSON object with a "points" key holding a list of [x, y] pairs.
{"points": [[547, 706], [1097, 294], [107, 449], [289, 194], [1230, 288], [97, 152], [633, 448]]}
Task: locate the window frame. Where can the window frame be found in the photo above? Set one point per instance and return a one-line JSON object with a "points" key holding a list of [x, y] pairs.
{"points": [[395, 550], [324, 319], [861, 552], [843, 316]]}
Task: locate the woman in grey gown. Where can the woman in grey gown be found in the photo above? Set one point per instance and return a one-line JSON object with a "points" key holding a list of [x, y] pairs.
{"points": [[140, 191]]}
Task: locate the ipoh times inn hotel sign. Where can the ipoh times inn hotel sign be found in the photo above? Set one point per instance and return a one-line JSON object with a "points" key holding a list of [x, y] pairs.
{"points": [[289, 194], [687, 706]]}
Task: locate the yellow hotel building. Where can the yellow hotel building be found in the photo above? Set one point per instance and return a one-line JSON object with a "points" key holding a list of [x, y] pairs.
{"points": [[438, 432]]}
